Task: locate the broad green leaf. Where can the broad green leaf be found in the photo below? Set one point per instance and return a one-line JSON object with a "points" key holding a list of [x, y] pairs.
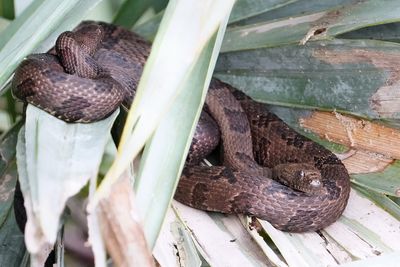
{"points": [[105, 10], [382, 200], [53, 165], [385, 32], [242, 9], [320, 25], [351, 76], [297, 8], [385, 182], [12, 113], [7, 9], [149, 28], [248, 8], [3, 24], [38, 20], [132, 10], [8, 181], [27, 31], [12, 249], [195, 51], [269, 34], [87, 9], [170, 154], [8, 170]]}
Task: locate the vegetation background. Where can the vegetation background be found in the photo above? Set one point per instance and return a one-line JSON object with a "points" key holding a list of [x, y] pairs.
{"points": [[327, 68]]}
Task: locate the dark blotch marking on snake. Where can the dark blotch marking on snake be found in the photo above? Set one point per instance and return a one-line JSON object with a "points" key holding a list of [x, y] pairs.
{"points": [[200, 190], [263, 120], [226, 173], [77, 115], [261, 154], [186, 171], [92, 64], [334, 193], [229, 175], [298, 141], [103, 87], [242, 202], [72, 61], [238, 123], [303, 216], [239, 95], [327, 160], [56, 78], [26, 87], [121, 61], [73, 101]]}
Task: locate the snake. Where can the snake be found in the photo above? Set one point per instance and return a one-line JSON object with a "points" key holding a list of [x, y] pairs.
{"points": [[267, 170]]}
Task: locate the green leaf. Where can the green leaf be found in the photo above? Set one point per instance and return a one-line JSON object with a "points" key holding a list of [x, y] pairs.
{"points": [[3, 24], [351, 76], [385, 32], [297, 8], [385, 182], [248, 8], [8, 171], [190, 68], [382, 200], [132, 10], [53, 166], [241, 10], [149, 28], [320, 25], [179, 124], [7, 9], [40, 19], [12, 249], [11, 106]]}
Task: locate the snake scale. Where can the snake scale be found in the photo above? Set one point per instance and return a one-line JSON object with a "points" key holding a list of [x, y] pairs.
{"points": [[95, 68]]}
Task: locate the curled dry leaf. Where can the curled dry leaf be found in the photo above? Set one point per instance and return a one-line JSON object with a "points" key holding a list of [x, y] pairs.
{"points": [[121, 226], [376, 144]]}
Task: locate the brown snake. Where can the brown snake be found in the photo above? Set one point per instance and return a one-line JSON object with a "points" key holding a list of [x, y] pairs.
{"points": [[97, 67]]}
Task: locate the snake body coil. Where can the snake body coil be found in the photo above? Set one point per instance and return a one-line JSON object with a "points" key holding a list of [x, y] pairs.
{"points": [[96, 68]]}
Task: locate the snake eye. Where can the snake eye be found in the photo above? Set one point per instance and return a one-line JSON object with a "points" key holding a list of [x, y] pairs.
{"points": [[315, 183], [302, 174]]}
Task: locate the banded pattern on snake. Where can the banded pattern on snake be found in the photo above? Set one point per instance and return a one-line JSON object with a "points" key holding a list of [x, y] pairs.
{"points": [[96, 68]]}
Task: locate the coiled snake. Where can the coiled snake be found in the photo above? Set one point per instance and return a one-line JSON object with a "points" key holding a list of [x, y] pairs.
{"points": [[94, 69]]}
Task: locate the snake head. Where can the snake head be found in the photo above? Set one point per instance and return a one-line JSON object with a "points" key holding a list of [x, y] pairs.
{"points": [[299, 176]]}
